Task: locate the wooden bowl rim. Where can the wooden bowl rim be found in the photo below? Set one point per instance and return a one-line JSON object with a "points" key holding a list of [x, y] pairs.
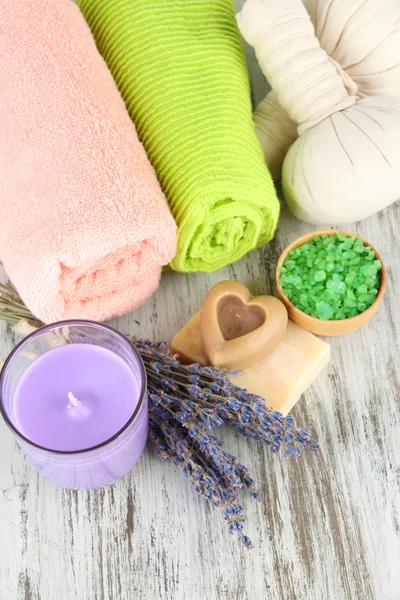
{"points": [[307, 237]]}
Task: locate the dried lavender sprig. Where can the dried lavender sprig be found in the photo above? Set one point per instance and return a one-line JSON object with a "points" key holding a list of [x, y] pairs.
{"points": [[205, 482], [225, 465]]}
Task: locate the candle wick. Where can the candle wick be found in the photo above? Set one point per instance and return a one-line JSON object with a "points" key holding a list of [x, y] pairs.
{"points": [[73, 402]]}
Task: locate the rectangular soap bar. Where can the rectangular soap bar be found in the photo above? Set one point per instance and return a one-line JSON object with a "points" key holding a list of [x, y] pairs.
{"points": [[281, 378], [286, 373], [187, 342]]}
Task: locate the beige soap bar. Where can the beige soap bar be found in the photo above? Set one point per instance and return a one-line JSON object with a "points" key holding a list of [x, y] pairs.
{"points": [[281, 378], [187, 342]]}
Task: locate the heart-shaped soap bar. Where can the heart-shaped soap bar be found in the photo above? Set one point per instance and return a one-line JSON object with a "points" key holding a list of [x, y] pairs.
{"points": [[239, 331]]}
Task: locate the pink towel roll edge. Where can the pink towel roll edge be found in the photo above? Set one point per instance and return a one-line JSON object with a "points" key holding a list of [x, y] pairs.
{"points": [[85, 228]]}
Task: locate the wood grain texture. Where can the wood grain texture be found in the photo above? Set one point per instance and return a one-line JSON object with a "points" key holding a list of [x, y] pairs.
{"points": [[327, 527]]}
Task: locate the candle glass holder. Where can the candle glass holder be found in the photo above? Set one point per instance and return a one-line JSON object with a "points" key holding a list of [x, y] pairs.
{"points": [[92, 467]]}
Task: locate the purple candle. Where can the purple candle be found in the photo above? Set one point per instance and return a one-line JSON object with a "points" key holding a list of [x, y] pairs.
{"points": [[75, 397], [75, 394]]}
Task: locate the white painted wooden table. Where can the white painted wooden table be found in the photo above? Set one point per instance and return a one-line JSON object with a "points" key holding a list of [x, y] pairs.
{"points": [[327, 527]]}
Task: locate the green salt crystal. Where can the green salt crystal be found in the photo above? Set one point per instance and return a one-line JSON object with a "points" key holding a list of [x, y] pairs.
{"points": [[330, 267], [345, 246], [299, 284], [336, 286], [283, 269], [324, 310], [350, 303], [371, 255], [353, 312], [355, 261], [341, 236], [370, 281], [309, 263], [378, 264], [361, 306], [374, 291], [349, 279], [359, 250], [359, 246], [304, 299], [368, 270], [340, 315], [332, 296], [359, 280], [350, 295], [367, 298], [362, 289]]}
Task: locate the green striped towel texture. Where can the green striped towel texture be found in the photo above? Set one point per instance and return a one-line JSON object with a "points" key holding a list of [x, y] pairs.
{"points": [[181, 69]]}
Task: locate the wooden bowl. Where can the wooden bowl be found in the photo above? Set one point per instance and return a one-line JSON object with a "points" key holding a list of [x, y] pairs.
{"points": [[333, 327]]}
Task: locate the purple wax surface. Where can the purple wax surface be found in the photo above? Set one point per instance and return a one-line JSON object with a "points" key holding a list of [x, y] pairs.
{"points": [[101, 381]]}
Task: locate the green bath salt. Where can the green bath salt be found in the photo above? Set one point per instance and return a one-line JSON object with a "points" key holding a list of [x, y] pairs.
{"points": [[331, 277]]}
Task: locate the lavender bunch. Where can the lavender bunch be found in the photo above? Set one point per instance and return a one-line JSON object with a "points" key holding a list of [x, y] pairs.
{"points": [[205, 395], [187, 403]]}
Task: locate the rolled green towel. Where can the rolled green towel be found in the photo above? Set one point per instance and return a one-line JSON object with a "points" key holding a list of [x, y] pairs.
{"points": [[180, 67]]}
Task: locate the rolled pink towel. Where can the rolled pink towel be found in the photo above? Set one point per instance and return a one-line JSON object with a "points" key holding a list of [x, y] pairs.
{"points": [[84, 228]]}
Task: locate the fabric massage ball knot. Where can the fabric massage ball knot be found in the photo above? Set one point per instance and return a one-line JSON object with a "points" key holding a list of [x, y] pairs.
{"points": [[333, 117]]}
